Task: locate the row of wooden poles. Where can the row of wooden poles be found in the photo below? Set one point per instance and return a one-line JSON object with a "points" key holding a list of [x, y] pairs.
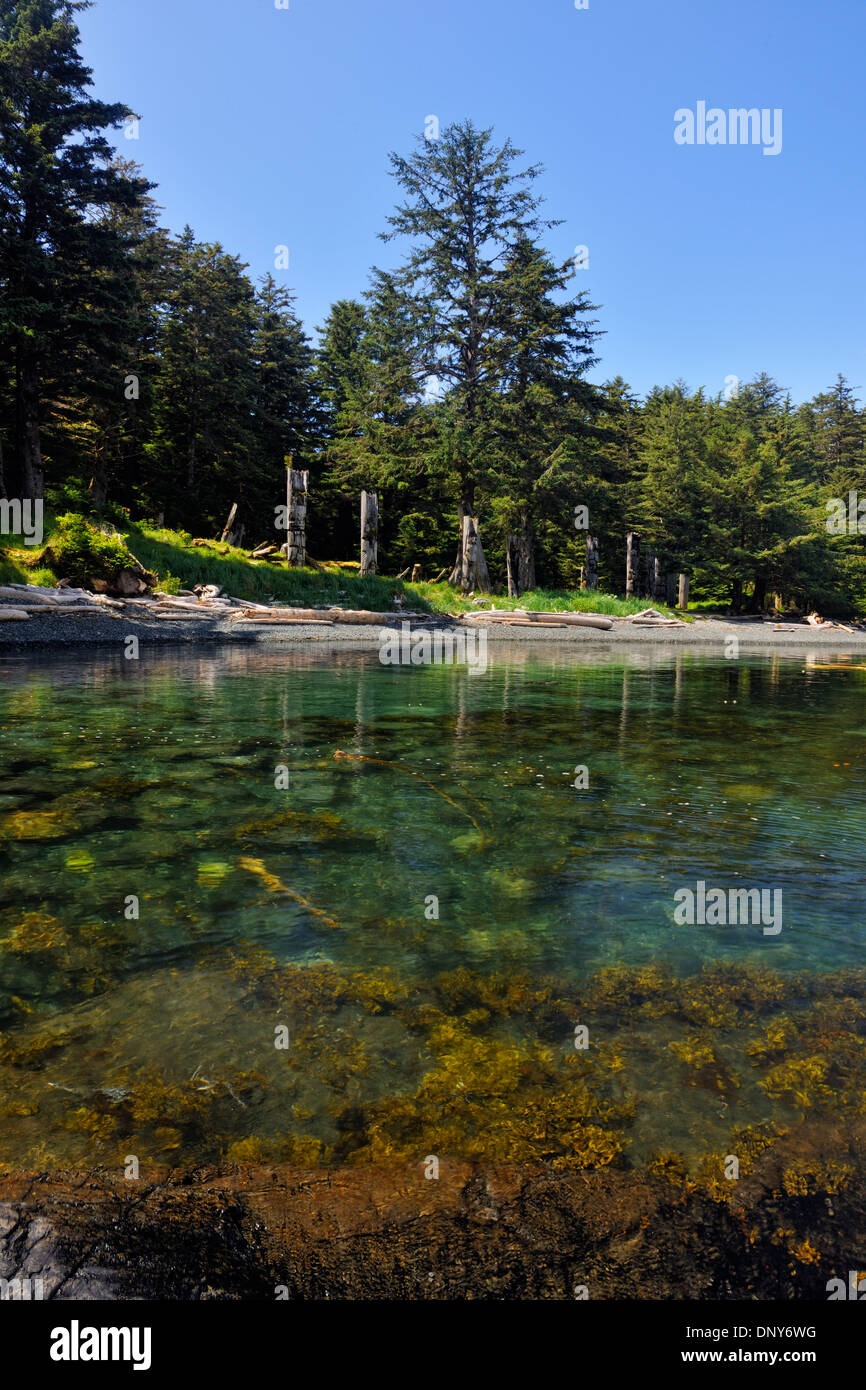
{"points": [[646, 573]]}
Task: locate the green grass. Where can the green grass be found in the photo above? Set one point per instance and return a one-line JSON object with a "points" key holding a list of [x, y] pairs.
{"points": [[181, 565], [442, 598]]}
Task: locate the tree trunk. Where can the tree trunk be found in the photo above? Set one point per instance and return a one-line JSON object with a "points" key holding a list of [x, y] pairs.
{"points": [[369, 532], [526, 556], [98, 485], [456, 575], [632, 562], [30, 472], [296, 553], [474, 563], [592, 562], [512, 565], [482, 573]]}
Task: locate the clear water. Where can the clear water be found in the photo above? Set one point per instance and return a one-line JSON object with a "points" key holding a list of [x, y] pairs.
{"points": [[156, 780]]}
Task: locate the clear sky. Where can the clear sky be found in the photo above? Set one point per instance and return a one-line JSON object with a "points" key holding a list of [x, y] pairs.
{"points": [[266, 126]]}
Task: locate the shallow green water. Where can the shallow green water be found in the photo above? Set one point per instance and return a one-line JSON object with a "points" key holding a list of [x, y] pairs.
{"points": [[156, 780]]}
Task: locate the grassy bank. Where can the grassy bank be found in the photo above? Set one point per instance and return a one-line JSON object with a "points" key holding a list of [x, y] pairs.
{"points": [[71, 545]]}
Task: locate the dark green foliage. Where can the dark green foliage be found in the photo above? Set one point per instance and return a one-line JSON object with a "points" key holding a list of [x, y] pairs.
{"points": [[61, 250]]}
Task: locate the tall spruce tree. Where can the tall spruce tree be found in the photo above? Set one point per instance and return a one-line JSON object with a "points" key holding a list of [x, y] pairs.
{"points": [[467, 205], [539, 421], [57, 175]]}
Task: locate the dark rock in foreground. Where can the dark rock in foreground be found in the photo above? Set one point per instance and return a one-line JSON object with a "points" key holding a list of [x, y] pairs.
{"points": [[498, 1233]]}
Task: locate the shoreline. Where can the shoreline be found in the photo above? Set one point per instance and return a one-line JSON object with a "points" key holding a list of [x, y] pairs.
{"points": [[106, 629]]}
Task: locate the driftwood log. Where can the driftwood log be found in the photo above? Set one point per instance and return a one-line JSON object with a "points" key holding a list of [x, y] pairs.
{"points": [[524, 616]]}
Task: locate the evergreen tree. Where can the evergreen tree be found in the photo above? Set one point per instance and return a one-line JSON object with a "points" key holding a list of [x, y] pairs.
{"points": [[286, 422], [675, 461], [57, 180], [202, 451], [340, 359], [539, 422], [466, 208], [101, 385]]}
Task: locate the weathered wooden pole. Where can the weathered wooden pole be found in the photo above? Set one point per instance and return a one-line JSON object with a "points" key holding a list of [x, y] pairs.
{"points": [[683, 596], [658, 580], [632, 561], [468, 559], [369, 532], [227, 529], [592, 562], [296, 512]]}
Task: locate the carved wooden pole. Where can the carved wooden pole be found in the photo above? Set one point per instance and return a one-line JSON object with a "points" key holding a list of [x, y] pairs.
{"points": [[369, 532], [683, 597], [468, 554], [658, 580], [632, 560], [296, 510], [592, 562]]}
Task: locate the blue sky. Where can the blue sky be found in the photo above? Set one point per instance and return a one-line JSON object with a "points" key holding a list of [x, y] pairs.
{"points": [[265, 127]]}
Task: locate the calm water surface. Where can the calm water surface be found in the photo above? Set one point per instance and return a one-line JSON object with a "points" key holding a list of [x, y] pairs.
{"points": [[152, 787]]}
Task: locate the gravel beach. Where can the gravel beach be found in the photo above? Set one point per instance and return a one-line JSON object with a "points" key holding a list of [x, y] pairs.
{"points": [[111, 629]]}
